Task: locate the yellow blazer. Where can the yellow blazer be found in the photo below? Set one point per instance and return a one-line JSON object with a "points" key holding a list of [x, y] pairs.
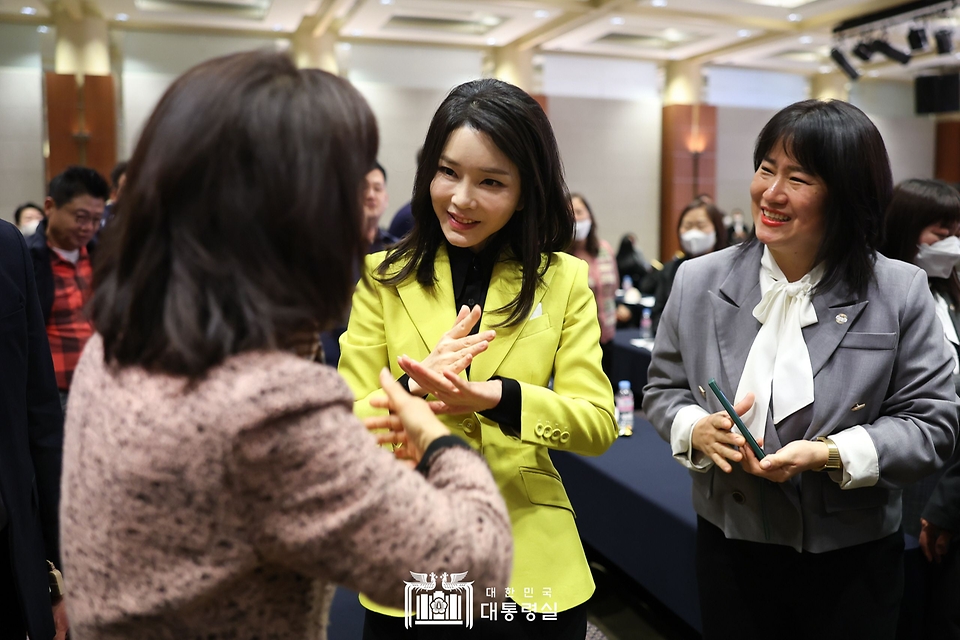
{"points": [[559, 343]]}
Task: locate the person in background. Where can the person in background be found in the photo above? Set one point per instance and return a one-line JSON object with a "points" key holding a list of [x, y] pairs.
{"points": [[118, 178], [834, 357], [479, 309], [61, 251], [737, 231], [921, 226], [402, 221], [374, 204], [28, 217], [630, 260], [216, 483], [701, 231], [602, 276], [938, 541], [31, 441]]}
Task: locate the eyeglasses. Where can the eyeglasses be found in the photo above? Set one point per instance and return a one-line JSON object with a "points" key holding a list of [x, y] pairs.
{"points": [[85, 219]]}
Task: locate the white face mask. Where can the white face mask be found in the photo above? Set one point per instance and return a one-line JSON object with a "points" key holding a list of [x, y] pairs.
{"points": [[582, 230], [696, 242], [29, 228], [940, 258]]}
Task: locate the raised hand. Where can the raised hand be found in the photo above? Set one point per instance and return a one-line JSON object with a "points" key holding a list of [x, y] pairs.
{"points": [[712, 436], [411, 425], [455, 395], [456, 347]]}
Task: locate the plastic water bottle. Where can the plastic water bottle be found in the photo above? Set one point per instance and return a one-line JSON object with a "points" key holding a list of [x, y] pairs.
{"points": [[624, 403], [627, 283], [646, 324]]}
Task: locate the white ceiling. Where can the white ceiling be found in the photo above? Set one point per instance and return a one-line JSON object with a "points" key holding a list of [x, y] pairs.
{"points": [[786, 35]]}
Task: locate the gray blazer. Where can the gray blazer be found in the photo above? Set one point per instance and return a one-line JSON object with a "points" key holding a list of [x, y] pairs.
{"points": [[883, 350]]}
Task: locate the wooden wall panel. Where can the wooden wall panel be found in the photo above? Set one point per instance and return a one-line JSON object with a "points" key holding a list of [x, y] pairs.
{"points": [[63, 120], [947, 164], [682, 176], [99, 109]]}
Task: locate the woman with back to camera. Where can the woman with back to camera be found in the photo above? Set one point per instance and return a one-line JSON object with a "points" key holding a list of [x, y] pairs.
{"points": [[484, 312], [921, 227], [835, 359], [216, 483], [701, 231], [602, 275]]}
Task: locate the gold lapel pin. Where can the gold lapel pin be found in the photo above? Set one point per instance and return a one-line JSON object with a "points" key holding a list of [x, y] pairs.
{"points": [[857, 406], [702, 392], [841, 318]]}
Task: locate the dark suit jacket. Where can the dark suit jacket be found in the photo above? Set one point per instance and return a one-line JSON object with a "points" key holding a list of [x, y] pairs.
{"points": [[31, 433], [43, 270]]}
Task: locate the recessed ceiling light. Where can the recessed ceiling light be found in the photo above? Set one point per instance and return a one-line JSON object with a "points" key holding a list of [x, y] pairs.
{"points": [[43, 28], [794, 17], [121, 17], [743, 33], [541, 13], [617, 20], [873, 74], [386, 1], [658, 3], [491, 41], [826, 68], [806, 39], [356, 33], [278, 27], [490, 21], [28, 11]]}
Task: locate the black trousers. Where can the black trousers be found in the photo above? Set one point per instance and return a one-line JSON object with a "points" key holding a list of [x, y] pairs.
{"points": [[755, 590], [569, 625], [12, 625]]}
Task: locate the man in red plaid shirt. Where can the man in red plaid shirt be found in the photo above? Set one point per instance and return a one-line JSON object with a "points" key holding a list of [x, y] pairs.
{"points": [[61, 250]]}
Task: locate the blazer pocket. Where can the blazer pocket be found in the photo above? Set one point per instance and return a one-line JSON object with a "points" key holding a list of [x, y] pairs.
{"points": [[535, 326], [546, 489], [873, 341]]}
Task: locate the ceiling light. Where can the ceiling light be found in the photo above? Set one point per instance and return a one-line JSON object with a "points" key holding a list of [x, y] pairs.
{"points": [[917, 37], [278, 27], [658, 3], [541, 13], [843, 63], [884, 47], [794, 17], [492, 41], [386, 1], [825, 68], [356, 33], [490, 21], [863, 50], [28, 11], [122, 17], [617, 20], [43, 28], [806, 40], [873, 74], [743, 33], [944, 38]]}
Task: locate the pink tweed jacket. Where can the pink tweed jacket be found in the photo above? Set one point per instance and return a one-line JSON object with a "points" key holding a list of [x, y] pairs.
{"points": [[229, 508]]}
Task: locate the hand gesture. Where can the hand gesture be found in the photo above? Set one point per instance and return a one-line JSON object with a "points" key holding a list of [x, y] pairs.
{"points": [[934, 541], [797, 457], [456, 348], [455, 395], [713, 437], [411, 425]]}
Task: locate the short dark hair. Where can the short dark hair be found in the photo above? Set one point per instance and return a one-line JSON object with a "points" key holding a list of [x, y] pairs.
{"points": [[593, 242], [242, 223], [915, 205], [838, 143], [716, 219], [377, 165], [117, 173], [77, 181], [543, 224], [26, 205]]}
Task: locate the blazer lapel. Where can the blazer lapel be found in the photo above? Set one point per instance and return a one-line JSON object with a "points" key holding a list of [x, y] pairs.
{"points": [[837, 310], [504, 287], [733, 308], [432, 311]]}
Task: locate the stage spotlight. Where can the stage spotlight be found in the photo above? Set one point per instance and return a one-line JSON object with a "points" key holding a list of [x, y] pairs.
{"points": [[882, 46], [944, 38], [863, 50], [917, 37], [844, 64]]}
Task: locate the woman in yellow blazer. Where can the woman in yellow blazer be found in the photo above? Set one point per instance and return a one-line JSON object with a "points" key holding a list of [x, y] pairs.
{"points": [[477, 310]]}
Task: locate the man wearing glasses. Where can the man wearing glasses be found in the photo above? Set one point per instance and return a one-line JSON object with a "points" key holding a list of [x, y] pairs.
{"points": [[61, 262]]}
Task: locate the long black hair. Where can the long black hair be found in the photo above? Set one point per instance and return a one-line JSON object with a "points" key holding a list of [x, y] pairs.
{"points": [[838, 143], [543, 222], [240, 223]]}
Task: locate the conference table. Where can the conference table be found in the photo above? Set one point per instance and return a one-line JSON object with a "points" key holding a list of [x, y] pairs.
{"points": [[630, 362], [633, 505]]}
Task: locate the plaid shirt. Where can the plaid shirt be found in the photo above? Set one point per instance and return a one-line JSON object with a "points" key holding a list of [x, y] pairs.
{"points": [[68, 328]]}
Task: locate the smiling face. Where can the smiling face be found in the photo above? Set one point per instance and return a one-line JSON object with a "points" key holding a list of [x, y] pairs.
{"points": [[476, 190], [787, 204]]}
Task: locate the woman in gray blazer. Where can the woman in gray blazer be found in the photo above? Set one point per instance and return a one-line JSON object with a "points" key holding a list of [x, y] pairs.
{"points": [[835, 359]]}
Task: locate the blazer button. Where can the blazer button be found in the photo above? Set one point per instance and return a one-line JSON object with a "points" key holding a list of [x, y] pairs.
{"points": [[547, 432], [738, 497], [556, 434], [539, 429], [468, 426], [564, 437]]}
